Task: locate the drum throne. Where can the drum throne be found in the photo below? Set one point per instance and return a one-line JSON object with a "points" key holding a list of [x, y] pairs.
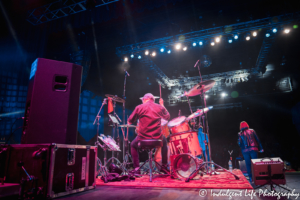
{"points": [[149, 145]]}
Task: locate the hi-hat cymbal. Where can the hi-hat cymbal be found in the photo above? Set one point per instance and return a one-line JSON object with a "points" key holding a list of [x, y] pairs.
{"points": [[115, 98], [199, 88], [127, 125]]}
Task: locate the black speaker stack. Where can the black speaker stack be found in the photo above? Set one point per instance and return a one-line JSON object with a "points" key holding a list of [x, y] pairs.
{"points": [[48, 163]]}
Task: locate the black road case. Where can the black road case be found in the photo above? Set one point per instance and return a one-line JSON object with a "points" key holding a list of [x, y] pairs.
{"points": [[61, 169]]}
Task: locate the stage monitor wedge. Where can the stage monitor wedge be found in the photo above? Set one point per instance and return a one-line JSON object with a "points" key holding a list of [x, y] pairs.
{"points": [[52, 105]]}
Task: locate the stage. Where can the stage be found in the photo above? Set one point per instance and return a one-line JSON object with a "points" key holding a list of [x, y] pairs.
{"points": [[222, 181]]}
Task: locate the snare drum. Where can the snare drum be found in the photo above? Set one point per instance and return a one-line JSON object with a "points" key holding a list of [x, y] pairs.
{"points": [[185, 143], [179, 125]]}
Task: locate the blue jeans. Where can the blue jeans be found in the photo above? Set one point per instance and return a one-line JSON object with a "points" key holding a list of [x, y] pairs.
{"points": [[248, 156]]}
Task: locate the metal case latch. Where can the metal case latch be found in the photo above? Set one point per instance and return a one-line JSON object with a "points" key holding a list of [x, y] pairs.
{"points": [[71, 156], [69, 181]]}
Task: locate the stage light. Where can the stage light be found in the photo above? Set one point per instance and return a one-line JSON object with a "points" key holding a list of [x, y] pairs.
{"points": [[286, 30], [178, 46], [274, 30], [139, 57], [212, 43], [132, 56], [223, 94], [295, 26], [184, 48], [206, 96], [146, 52], [230, 40], [153, 53], [125, 59], [254, 34], [194, 44], [201, 43], [236, 37], [267, 34], [247, 37], [242, 79], [169, 51], [162, 50], [218, 39]]}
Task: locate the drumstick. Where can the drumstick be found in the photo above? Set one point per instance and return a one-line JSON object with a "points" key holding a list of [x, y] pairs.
{"points": [[160, 90]]}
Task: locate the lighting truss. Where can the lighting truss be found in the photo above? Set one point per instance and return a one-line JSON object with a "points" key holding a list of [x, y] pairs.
{"points": [[59, 9], [263, 53], [191, 37]]}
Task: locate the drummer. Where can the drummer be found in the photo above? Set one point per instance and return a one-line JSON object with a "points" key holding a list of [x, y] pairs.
{"points": [[149, 115]]}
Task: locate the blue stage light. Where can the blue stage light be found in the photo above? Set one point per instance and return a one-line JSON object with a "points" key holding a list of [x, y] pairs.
{"points": [[162, 50], [230, 40], [194, 44], [267, 34], [132, 56], [236, 37], [201, 43], [169, 51], [139, 57], [274, 30]]}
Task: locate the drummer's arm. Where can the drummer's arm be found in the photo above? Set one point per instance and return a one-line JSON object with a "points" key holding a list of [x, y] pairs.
{"points": [[133, 117], [165, 113]]}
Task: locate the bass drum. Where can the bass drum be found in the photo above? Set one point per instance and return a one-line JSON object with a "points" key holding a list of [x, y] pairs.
{"points": [[183, 165]]}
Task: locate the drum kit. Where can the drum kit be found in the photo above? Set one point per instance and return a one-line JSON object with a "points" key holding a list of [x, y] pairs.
{"points": [[183, 147]]}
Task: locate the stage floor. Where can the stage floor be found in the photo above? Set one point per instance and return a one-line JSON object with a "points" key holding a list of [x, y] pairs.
{"points": [[224, 180]]}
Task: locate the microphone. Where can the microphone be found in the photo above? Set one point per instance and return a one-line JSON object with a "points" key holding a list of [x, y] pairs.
{"points": [[197, 63], [126, 72]]}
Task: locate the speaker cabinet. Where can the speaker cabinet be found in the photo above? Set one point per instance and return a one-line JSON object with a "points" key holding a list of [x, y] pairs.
{"points": [[52, 105], [266, 169]]}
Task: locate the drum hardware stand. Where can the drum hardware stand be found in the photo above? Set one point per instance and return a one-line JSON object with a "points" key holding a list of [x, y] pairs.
{"points": [[126, 153], [190, 110]]}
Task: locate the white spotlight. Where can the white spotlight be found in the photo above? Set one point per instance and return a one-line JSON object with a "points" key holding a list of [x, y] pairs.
{"points": [[153, 53], [201, 43], [139, 57], [286, 30], [267, 34], [223, 94], [194, 44], [230, 40], [218, 39], [212, 43], [206, 96], [248, 37], [125, 59], [254, 34], [169, 51], [178, 46], [162, 50], [184, 48], [146, 52], [236, 37], [132, 56], [274, 30]]}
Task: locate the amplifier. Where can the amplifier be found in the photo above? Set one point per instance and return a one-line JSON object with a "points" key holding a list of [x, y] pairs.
{"points": [[266, 169], [59, 169]]}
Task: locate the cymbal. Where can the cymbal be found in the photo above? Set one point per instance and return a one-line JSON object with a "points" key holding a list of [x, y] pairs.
{"points": [[115, 98], [199, 112], [199, 88], [127, 125], [155, 97]]}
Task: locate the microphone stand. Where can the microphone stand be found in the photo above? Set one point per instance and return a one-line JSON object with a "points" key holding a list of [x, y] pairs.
{"points": [[124, 120]]}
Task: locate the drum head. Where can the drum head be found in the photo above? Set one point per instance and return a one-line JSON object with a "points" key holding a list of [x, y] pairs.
{"points": [[176, 121], [184, 165], [163, 122]]}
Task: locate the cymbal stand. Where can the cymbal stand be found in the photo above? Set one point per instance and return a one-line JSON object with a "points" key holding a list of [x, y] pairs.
{"points": [[190, 109], [124, 121], [102, 168], [114, 130], [127, 155]]}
